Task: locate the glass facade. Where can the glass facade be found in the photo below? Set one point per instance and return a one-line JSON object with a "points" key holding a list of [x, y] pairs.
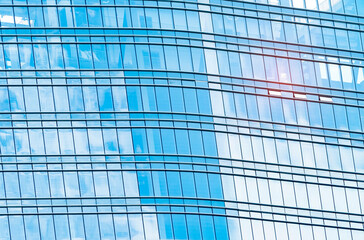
{"points": [[193, 119]]}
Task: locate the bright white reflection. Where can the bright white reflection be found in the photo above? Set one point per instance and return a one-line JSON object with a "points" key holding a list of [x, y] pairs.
{"points": [[17, 20], [360, 76], [275, 93], [311, 4], [334, 72], [347, 74], [298, 95], [326, 99], [275, 2]]}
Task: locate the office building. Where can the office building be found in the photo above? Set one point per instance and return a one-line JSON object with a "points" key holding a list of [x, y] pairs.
{"points": [[194, 119]]}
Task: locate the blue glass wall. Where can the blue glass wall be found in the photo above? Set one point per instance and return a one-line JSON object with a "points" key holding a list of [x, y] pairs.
{"points": [[194, 119]]}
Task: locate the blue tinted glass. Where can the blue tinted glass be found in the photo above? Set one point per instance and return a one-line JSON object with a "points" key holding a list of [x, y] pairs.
{"points": [[129, 119]]}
